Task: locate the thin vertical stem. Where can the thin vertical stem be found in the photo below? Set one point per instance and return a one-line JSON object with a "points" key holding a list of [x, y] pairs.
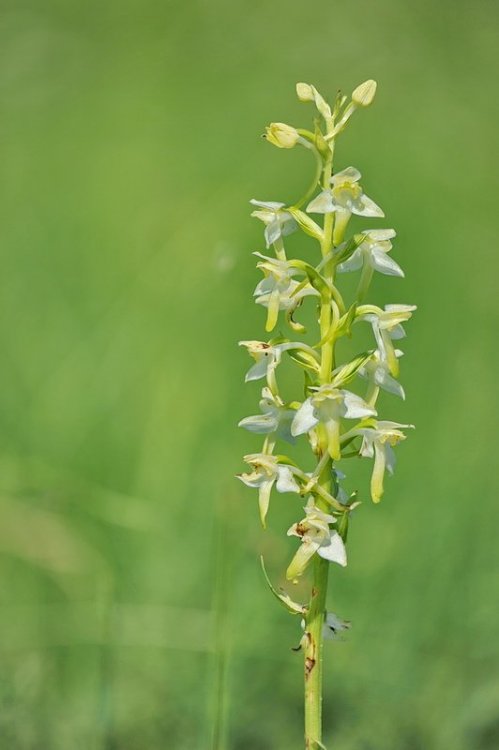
{"points": [[313, 639], [313, 656]]}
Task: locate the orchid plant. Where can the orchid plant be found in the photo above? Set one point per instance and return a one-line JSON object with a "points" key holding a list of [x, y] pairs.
{"points": [[339, 423]]}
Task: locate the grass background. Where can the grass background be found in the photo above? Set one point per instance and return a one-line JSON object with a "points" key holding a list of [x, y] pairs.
{"points": [[129, 144]]}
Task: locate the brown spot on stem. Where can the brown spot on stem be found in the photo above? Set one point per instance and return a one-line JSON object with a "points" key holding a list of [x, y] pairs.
{"points": [[309, 665]]}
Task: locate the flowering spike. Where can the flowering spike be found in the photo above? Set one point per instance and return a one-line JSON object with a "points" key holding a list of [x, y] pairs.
{"points": [[336, 409]]}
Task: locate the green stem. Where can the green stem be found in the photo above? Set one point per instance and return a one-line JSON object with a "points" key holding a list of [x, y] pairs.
{"points": [[313, 656], [313, 639]]}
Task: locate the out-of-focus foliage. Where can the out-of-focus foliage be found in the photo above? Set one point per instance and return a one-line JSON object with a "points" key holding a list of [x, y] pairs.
{"points": [[130, 148]]}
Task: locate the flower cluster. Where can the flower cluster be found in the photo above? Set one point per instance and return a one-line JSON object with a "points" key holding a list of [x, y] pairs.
{"points": [[338, 413]]}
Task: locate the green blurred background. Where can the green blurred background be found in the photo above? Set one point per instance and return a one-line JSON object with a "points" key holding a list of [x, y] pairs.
{"points": [[134, 613]]}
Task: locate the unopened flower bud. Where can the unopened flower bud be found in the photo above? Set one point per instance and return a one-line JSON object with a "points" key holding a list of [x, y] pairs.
{"points": [[281, 135], [364, 94], [305, 92]]}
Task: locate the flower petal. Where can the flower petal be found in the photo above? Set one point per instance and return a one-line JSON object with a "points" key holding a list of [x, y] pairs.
{"points": [[389, 351], [384, 380], [350, 174], [264, 498], [356, 407], [285, 480], [333, 626], [272, 310], [397, 333], [333, 438], [258, 370], [390, 458], [260, 423], [380, 235], [322, 204], [334, 551], [271, 205], [272, 232], [384, 264], [353, 263], [304, 419], [364, 206], [378, 472]]}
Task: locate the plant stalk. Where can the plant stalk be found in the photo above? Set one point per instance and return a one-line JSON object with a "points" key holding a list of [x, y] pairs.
{"points": [[313, 638]]}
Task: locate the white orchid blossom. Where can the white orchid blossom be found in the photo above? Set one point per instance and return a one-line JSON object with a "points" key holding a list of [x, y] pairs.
{"points": [[378, 442], [334, 626], [268, 356], [267, 471], [373, 253], [278, 222], [327, 406], [316, 537], [345, 196], [376, 372], [275, 417], [386, 326], [332, 629], [278, 290]]}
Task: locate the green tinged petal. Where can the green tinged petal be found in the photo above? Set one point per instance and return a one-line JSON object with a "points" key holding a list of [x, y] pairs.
{"points": [[378, 473], [272, 310], [264, 500], [333, 438], [391, 357], [303, 555]]}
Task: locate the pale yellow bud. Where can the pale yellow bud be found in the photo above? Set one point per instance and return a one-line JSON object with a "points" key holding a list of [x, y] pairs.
{"points": [[282, 135], [364, 94], [305, 92]]}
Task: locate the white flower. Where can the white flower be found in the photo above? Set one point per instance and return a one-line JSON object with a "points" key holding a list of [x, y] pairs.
{"points": [[345, 196], [334, 626], [274, 418], [378, 441], [316, 537], [268, 356], [373, 252], [327, 406], [267, 471], [277, 291], [278, 223], [387, 326], [376, 372]]}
